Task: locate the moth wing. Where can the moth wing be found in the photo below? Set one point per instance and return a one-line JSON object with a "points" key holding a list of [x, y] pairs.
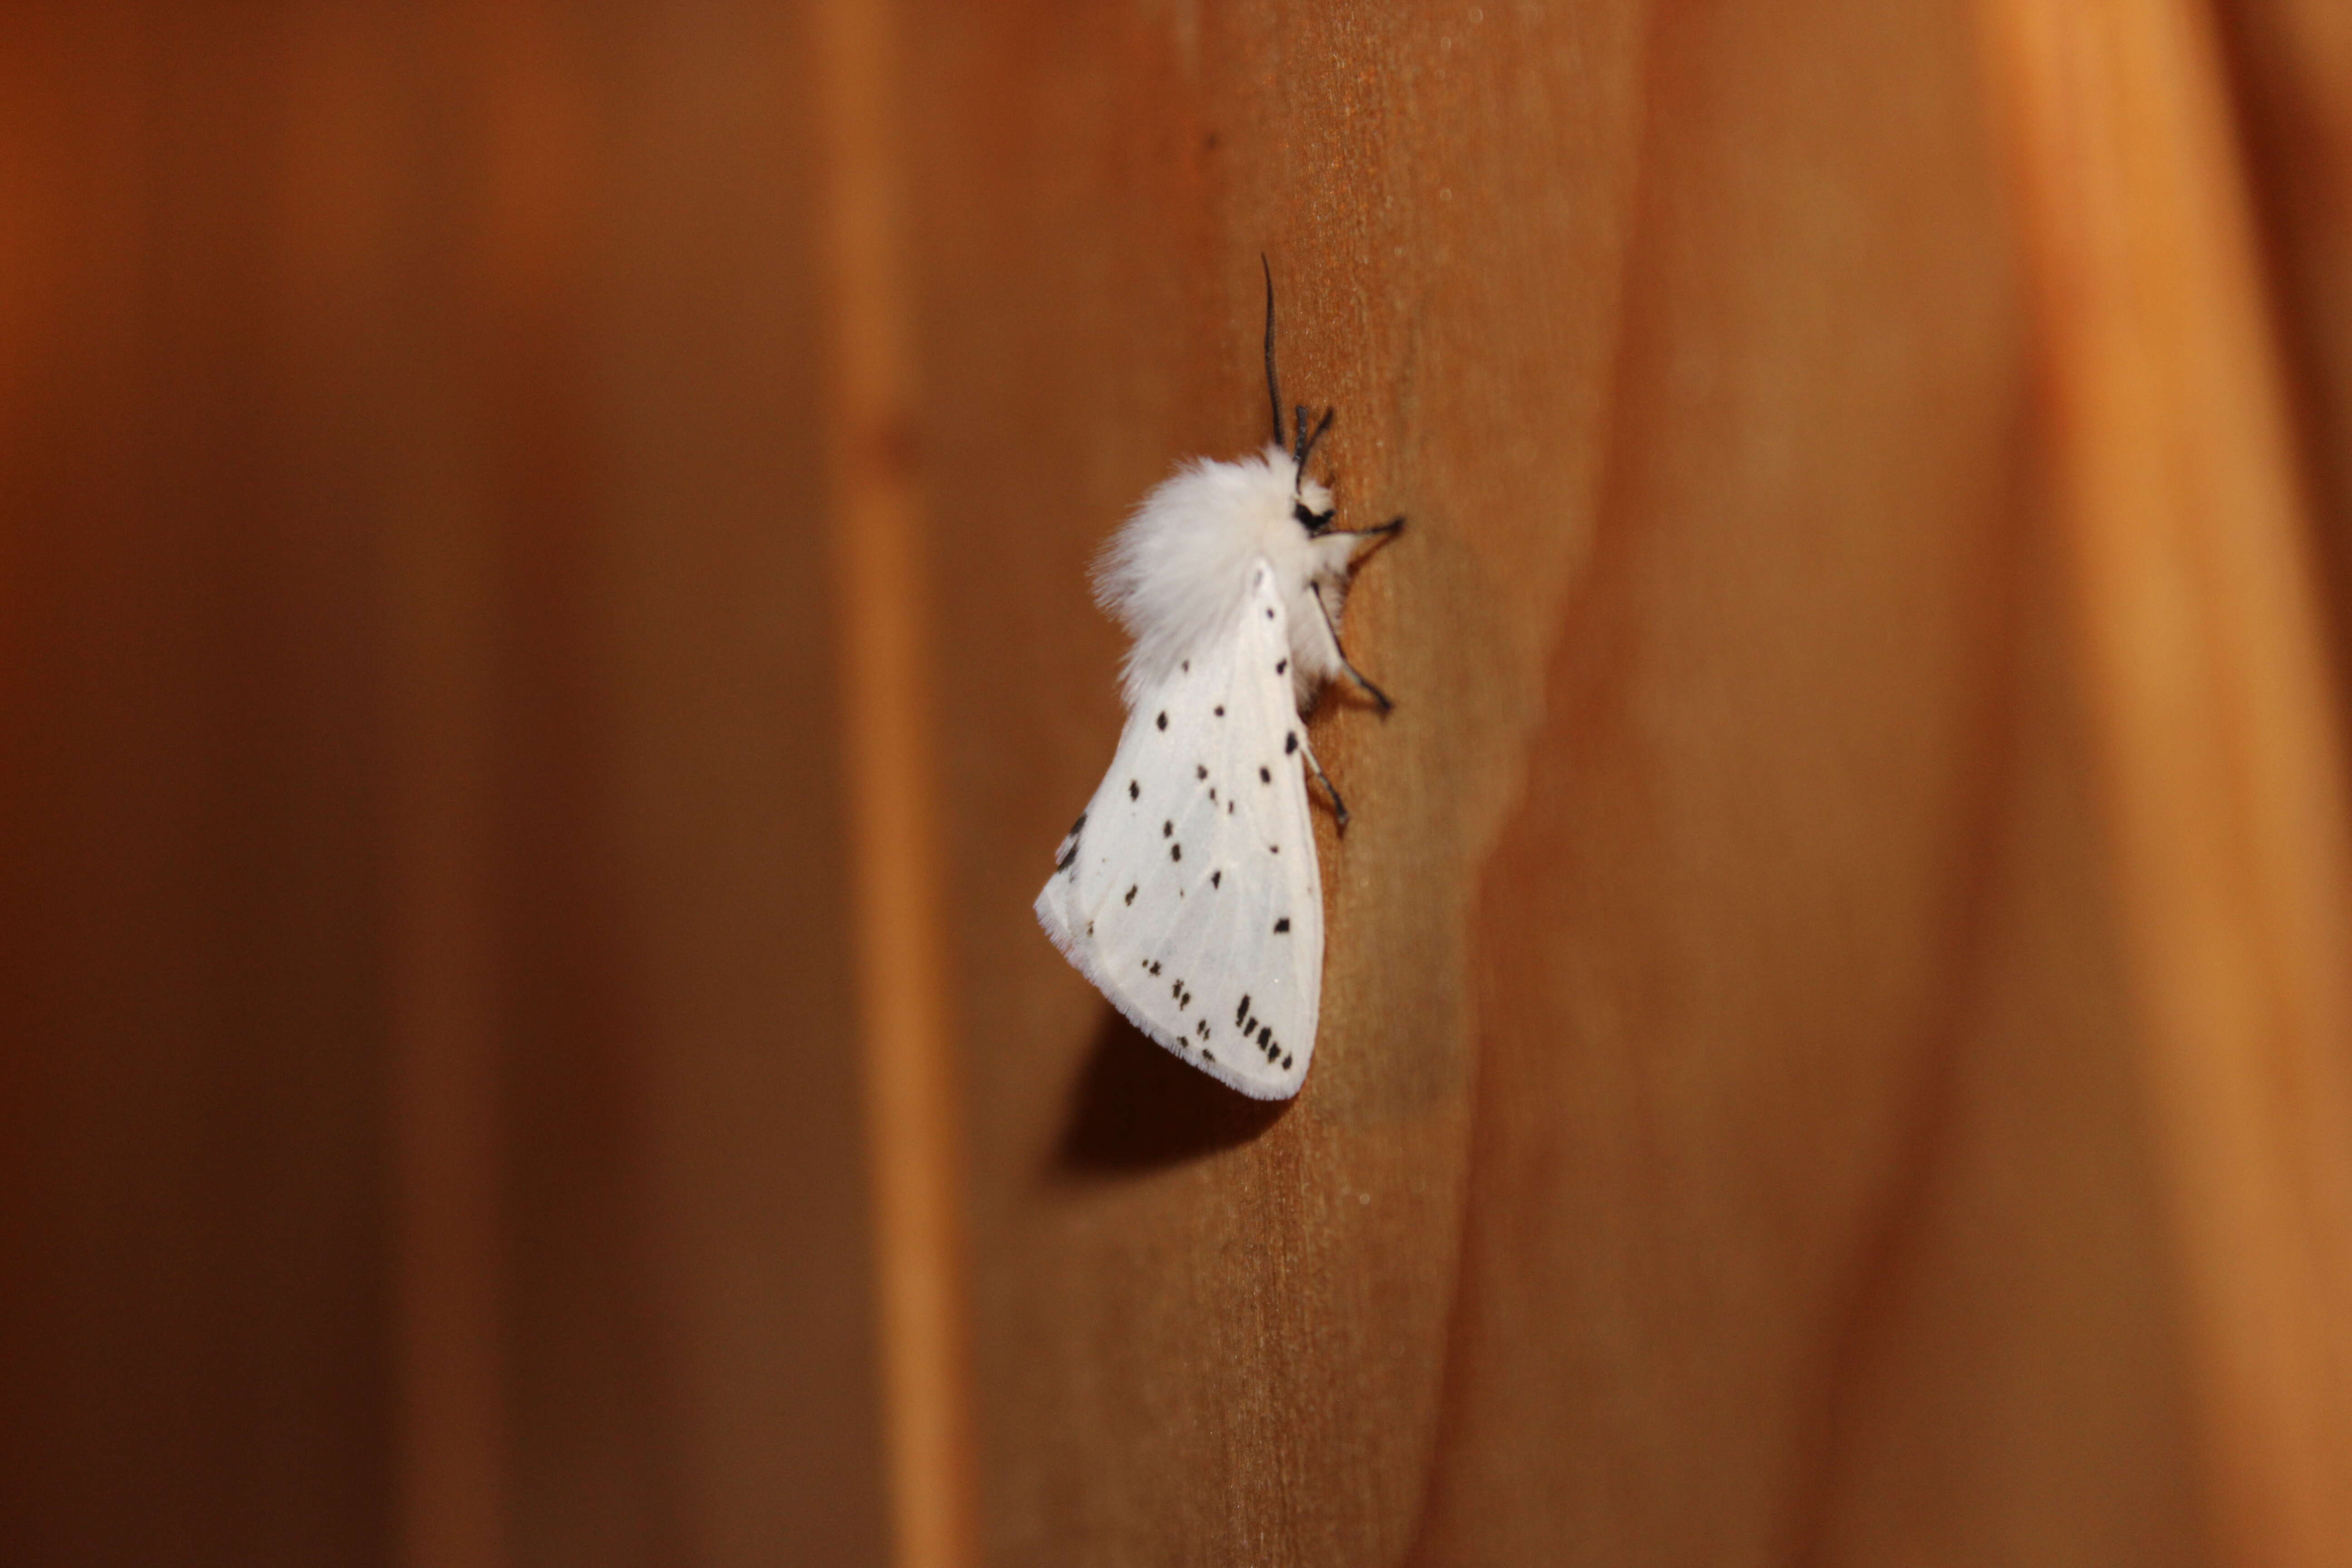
{"points": [[1188, 891]]}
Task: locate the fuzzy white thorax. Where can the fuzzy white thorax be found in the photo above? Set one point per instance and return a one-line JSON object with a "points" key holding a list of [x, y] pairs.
{"points": [[1177, 573]]}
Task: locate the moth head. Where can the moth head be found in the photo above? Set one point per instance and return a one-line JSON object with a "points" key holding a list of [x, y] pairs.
{"points": [[1310, 503]]}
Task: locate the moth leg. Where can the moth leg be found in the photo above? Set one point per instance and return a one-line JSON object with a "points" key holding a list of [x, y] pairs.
{"points": [[1374, 693], [1338, 806], [1393, 526]]}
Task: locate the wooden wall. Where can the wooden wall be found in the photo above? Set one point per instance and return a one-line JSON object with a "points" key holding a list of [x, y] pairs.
{"points": [[432, 1092], [544, 647]]}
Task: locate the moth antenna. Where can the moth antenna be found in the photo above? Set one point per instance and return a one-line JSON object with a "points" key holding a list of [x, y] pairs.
{"points": [[1306, 442], [1273, 386]]}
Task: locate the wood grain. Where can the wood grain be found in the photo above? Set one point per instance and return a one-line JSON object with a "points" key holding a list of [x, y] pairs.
{"points": [[1730, 983], [432, 1108], [1770, 909], [2178, 489], [1169, 1285], [544, 623], [891, 773], [2291, 64], [191, 1181]]}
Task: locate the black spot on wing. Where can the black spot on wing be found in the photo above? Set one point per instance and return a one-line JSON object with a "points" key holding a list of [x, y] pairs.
{"points": [[1130, 892], [1167, 829], [1175, 852], [1163, 719], [1217, 877], [1265, 775], [1290, 742], [1283, 924], [1242, 1011], [1282, 668], [1219, 710], [1133, 789]]}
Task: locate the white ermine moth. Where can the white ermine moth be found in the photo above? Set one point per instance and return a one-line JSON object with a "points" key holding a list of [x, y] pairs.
{"points": [[1188, 890]]}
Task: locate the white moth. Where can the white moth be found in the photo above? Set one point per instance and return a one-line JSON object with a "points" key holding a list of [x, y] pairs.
{"points": [[1188, 890]]}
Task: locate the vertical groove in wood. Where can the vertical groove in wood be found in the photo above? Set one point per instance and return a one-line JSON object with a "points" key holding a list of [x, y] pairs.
{"points": [[914, 1151], [2206, 683]]}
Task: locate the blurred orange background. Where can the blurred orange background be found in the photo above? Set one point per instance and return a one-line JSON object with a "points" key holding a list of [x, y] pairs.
{"points": [[545, 648]]}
